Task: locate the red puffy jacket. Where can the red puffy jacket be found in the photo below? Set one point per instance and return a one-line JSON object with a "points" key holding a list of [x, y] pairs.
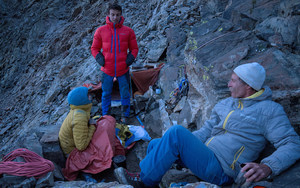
{"points": [[114, 41]]}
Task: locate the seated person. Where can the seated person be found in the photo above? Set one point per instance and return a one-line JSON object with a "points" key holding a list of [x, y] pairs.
{"points": [[236, 133], [77, 129]]}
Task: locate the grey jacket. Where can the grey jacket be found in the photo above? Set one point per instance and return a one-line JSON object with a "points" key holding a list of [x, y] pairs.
{"points": [[239, 128]]}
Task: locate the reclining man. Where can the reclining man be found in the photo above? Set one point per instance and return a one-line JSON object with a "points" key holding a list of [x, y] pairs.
{"points": [[236, 133]]}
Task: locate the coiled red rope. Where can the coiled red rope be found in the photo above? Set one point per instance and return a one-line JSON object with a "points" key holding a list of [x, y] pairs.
{"points": [[35, 165]]}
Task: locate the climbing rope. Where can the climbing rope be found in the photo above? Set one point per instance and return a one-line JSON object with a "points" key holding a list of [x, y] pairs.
{"points": [[218, 38], [35, 165]]}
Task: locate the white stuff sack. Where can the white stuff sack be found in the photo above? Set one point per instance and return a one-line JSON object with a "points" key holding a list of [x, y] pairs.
{"points": [[139, 133]]}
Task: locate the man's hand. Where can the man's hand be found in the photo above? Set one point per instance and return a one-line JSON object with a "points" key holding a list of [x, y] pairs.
{"points": [[255, 171]]}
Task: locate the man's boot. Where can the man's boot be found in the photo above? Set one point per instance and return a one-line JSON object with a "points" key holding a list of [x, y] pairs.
{"points": [[124, 119], [109, 111]]}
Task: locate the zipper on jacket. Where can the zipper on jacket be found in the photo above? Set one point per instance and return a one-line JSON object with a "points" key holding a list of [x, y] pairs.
{"points": [[209, 141], [119, 43], [241, 105], [225, 122], [237, 156], [112, 40], [115, 35]]}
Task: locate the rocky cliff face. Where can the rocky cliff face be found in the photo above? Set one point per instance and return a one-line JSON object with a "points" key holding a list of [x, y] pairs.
{"points": [[45, 52]]}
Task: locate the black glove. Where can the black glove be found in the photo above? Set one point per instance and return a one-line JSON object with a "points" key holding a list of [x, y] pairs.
{"points": [[92, 122], [100, 59], [130, 59]]}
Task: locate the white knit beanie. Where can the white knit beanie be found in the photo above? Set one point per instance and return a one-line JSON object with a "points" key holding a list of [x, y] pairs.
{"points": [[252, 73]]}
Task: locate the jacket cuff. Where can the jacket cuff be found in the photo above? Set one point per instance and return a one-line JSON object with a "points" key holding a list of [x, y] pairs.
{"points": [[271, 176]]}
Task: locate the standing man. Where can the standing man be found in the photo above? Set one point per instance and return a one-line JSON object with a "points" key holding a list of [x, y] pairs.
{"points": [[115, 40], [236, 133]]}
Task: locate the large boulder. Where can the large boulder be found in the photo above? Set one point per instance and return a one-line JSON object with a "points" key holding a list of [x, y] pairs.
{"points": [[209, 73], [287, 27]]}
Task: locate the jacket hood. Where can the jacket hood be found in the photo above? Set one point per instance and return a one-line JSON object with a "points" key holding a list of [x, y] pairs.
{"points": [[264, 94], [85, 107], [111, 24]]}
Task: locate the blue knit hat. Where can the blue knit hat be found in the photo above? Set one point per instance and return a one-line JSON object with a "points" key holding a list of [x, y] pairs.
{"points": [[78, 96]]}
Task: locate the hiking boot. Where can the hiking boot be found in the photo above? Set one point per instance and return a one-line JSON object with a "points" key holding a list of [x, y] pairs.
{"points": [[127, 178], [108, 111], [124, 119]]}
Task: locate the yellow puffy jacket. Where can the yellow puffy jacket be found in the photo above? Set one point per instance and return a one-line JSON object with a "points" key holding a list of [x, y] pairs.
{"points": [[75, 131]]}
